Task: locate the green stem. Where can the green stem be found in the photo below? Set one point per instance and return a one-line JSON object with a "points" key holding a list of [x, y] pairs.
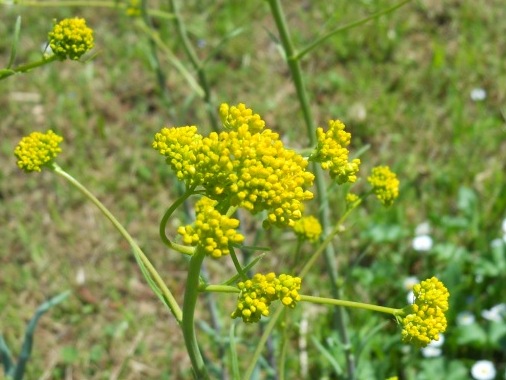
{"points": [[294, 66], [351, 25], [163, 225], [196, 63], [218, 289], [189, 304], [155, 61], [358, 305], [293, 62], [261, 343], [27, 67], [90, 3], [167, 295]]}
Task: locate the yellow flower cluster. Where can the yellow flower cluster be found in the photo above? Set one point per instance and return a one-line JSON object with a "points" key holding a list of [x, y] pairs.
{"points": [[233, 117], [37, 149], [351, 199], [258, 293], [134, 8], [425, 319], [332, 153], [385, 184], [308, 228], [70, 38], [248, 165], [212, 230]]}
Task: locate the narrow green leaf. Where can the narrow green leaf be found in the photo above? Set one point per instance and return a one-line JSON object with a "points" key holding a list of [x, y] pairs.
{"points": [[233, 354], [15, 42], [5, 355], [30, 329]]}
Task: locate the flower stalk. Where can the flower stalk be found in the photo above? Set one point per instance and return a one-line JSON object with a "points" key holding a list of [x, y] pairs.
{"points": [[164, 291]]}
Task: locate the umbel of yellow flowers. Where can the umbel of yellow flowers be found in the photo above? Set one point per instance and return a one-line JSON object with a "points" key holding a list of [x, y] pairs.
{"points": [[246, 165], [385, 184], [259, 292], [37, 150], [211, 229], [425, 319], [70, 38]]}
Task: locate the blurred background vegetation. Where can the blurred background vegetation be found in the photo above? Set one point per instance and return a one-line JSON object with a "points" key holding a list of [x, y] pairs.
{"points": [[422, 89]]}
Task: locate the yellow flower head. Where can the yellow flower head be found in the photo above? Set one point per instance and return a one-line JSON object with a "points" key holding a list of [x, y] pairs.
{"points": [[308, 228], [233, 117], [134, 8], [425, 319], [247, 165], [37, 150], [70, 38], [332, 154], [259, 292], [385, 184], [212, 230]]}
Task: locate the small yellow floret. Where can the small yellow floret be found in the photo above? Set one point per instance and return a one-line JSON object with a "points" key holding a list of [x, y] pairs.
{"points": [[211, 230], [308, 228], [37, 149], [425, 319], [332, 153], [385, 184], [259, 292], [70, 38]]}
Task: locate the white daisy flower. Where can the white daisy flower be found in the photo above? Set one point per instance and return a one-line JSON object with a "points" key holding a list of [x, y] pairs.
{"points": [[495, 313], [422, 243], [465, 318], [478, 94], [483, 370], [409, 282]]}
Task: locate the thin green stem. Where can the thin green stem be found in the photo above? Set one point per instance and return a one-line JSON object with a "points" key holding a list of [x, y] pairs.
{"points": [[357, 305], [27, 67], [155, 61], [163, 225], [294, 66], [237, 265], [261, 343], [196, 63], [189, 304], [284, 347], [219, 289], [90, 3], [139, 254], [295, 69], [173, 59], [351, 25]]}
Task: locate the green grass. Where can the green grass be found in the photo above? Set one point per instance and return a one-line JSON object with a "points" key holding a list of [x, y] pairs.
{"points": [[401, 84]]}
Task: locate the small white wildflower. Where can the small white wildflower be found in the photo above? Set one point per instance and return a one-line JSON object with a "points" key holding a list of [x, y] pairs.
{"points": [[409, 282], [478, 94], [495, 313], [465, 318], [431, 352], [438, 343], [434, 348], [422, 243], [483, 370], [411, 297], [503, 226]]}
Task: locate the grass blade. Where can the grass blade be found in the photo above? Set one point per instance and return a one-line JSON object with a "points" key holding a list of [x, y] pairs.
{"points": [[5, 355], [15, 42], [28, 341]]}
